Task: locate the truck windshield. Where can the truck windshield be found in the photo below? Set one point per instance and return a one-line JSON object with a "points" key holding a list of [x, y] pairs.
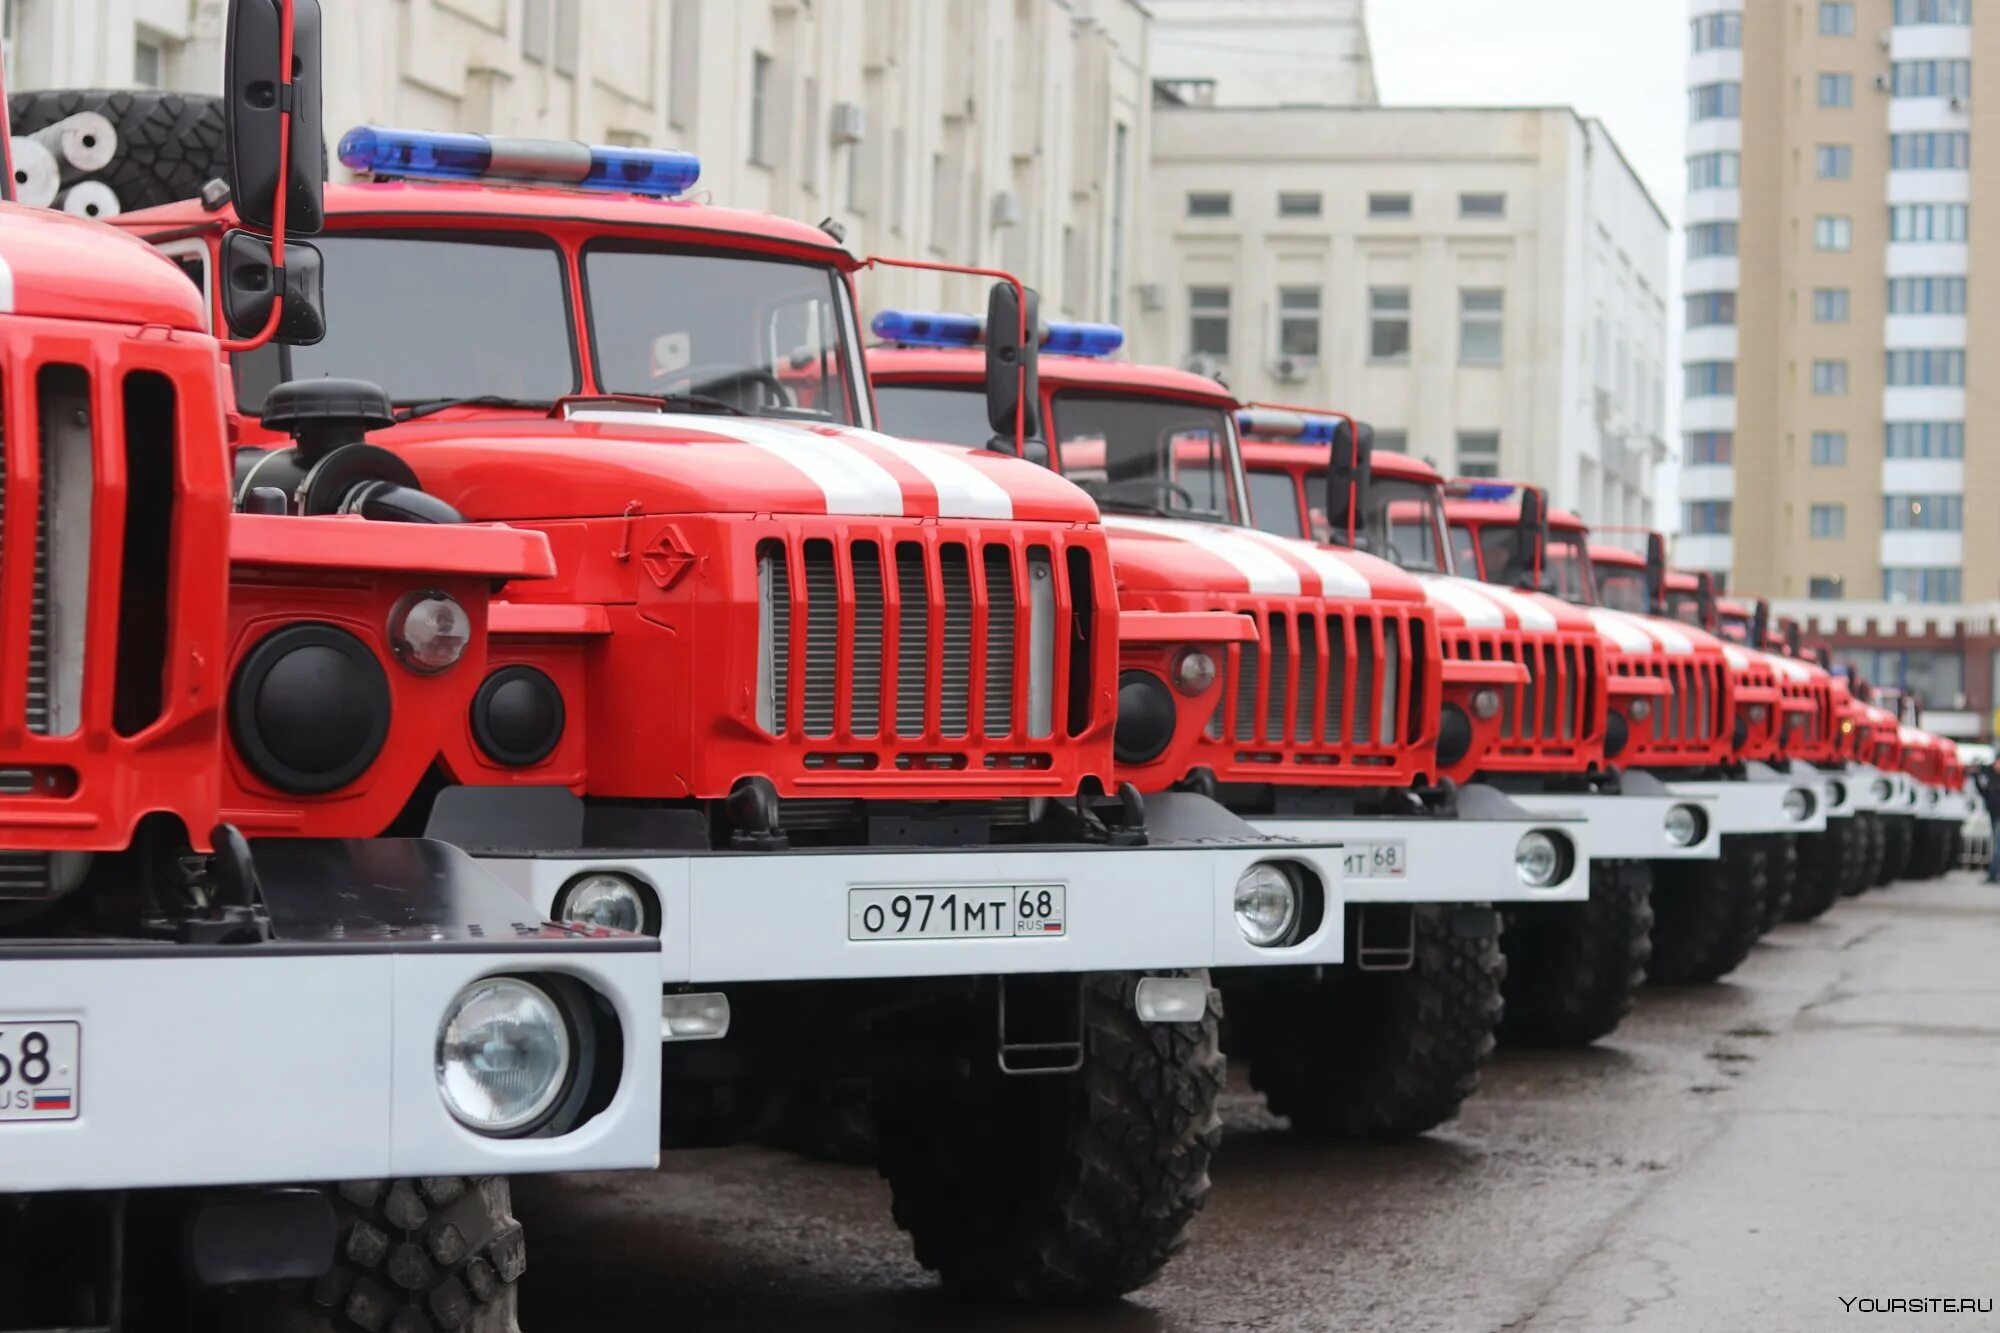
{"points": [[1622, 588], [1733, 627], [1565, 569], [1403, 522], [453, 317], [1685, 607], [768, 337], [940, 413], [1149, 455]]}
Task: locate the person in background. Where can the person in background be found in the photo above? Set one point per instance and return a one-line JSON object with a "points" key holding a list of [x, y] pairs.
{"points": [[1987, 780]]}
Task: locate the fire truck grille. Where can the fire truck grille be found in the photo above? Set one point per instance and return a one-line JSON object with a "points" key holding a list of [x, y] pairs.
{"points": [[1689, 716], [940, 647], [1557, 709], [24, 876], [1321, 682]]}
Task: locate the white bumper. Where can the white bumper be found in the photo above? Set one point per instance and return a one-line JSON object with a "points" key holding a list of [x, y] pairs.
{"points": [[1756, 802], [1943, 805], [1467, 859], [1631, 826], [266, 1064], [732, 917]]}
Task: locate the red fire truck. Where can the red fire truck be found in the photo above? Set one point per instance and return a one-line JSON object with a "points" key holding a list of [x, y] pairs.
{"points": [[1698, 737], [829, 714], [199, 1031], [1570, 973], [1341, 719]]}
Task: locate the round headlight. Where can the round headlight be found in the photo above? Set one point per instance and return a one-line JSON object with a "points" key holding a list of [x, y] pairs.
{"points": [[309, 709], [1757, 713], [518, 716], [1194, 671], [1267, 905], [1930, 796], [1454, 735], [429, 632], [503, 1054], [1641, 709], [1685, 825], [1538, 860], [1485, 704], [611, 901], [1836, 793], [1880, 789], [1798, 804], [1145, 718]]}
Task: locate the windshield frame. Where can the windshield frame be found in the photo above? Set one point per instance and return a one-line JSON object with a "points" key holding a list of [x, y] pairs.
{"points": [[1313, 481], [1232, 446], [1580, 542], [1601, 574], [860, 396]]}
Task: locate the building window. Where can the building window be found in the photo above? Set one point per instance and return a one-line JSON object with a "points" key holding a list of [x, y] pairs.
{"points": [[1388, 323], [1829, 378], [1208, 204], [1394, 441], [1829, 448], [1479, 453], [1931, 78], [1715, 101], [1836, 18], [1705, 518], [1926, 366], [1480, 310], [1710, 448], [1932, 150], [1718, 32], [534, 29], [1706, 309], [1923, 513], [1934, 679], [684, 79], [1923, 439], [1302, 204], [1208, 321], [1388, 205], [1482, 205], [1832, 232], [1834, 162], [761, 70], [1715, 171], [1709, 379], [1830, 305], [1927, 222], [1825, 588], [1927, 296], [1711, 240], [1298, 321], [149, 60], [569, 27], [1913, 584], [1827, 522], [1836, 90], [1933, 11]]}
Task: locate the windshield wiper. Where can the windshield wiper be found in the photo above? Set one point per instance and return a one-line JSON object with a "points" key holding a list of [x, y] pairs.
{"points": [[1126, 505], [692, 402], [424, 408]]}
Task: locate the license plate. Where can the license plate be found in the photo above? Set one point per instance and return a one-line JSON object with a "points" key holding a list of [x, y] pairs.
{"points": [[1375, 860], [979, 911], [41, 1071]]}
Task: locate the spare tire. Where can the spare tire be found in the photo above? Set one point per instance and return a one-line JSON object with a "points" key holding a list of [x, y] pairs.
{"points": [[169, 144]]}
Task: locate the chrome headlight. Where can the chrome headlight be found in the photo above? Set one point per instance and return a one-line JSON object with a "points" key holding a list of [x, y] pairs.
{"points": [[1538, 860], [1194, 671], [1267, 905], [1486, 703], [1685, 825], [1880, 789], [1836, 793], [1640, 709], [429, 632], [611, 901], [503, 1055], [1798, 804]]}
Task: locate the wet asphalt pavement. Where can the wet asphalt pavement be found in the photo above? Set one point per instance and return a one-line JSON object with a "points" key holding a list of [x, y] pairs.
{"points": [[1824, 1124]]}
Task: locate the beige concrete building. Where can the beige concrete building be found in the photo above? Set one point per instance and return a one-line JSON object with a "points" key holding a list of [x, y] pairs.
{"points": [[1263, 52], [997, 132], [1486, 285]]}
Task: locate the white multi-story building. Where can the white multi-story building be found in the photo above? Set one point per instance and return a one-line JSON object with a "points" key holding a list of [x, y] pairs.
{"points": [[1263, 52], [998, 132], [1487, 286]]}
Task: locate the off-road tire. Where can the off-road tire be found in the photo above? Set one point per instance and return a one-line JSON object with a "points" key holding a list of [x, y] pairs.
{"points": [[1896, 834], [169, 144], [1574, 969], [1350, 1054], [1782, 851], [1062, 1188], [413, 1256], [1706, 916], [1826, 862], [1935, 839]]}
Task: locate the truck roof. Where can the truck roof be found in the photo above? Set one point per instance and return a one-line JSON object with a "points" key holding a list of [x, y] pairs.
{"points": [[1061, 372]]}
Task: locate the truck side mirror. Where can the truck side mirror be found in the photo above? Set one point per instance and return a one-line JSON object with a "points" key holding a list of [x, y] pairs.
{"points": [[251, 111], [1348, 470], [1656, 573], [1532, 547], [1013, 378], [1791, 632], [1704, 583], [1760, 623], [249, 285]]}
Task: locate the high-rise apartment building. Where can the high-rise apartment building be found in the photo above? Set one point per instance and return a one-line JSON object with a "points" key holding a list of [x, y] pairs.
{"points": [[1841, 193]]}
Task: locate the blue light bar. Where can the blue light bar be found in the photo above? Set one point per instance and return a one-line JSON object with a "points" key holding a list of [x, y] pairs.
{"points": [[440, 155], [919, 328], [1078, 339], [1295, 426], [1491, 492]]}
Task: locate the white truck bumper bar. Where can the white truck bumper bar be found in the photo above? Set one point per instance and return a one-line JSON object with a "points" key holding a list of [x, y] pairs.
{"points": [[1632, 825], [1756, 802]]}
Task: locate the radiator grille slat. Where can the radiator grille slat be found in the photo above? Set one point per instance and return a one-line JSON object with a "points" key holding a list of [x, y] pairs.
{"points": [[955, 683], [1278, 687], [1307, 686], [913, 653], [822, 673], [870, 619], [999, 656]]}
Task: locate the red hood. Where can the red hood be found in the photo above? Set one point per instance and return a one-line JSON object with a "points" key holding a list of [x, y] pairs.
{"points": [[1469, 604], [64, 267], [1184, 556], [599, 464], [1624, 632]]}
